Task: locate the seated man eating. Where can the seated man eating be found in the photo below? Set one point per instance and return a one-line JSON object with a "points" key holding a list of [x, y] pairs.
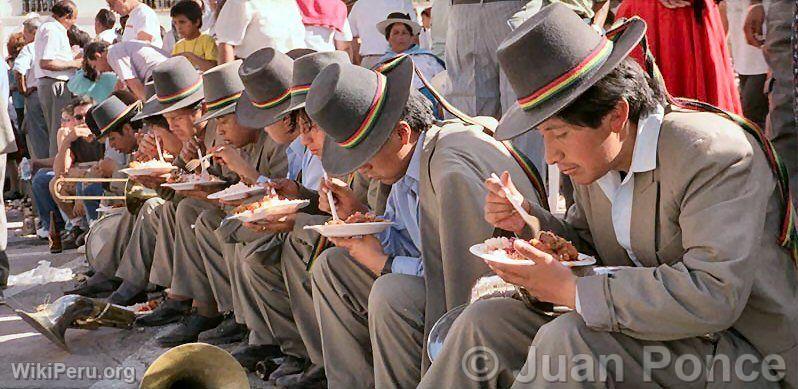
{"points": [[686, 206]]}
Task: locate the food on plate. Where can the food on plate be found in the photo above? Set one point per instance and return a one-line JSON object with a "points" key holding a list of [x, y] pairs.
{"points": [[234, 189], [560, 248], [151, 164], [557, 246], [191, 177], [357, 217], [268, 201]]}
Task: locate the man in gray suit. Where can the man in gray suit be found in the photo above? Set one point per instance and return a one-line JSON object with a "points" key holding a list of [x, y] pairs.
{"points": [[686, 205]]}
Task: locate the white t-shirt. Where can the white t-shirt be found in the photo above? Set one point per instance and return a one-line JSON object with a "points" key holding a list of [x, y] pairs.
{"points": [[108, 36], [24, 65], [134, 59], [143, 18], [366, 14], [250, 25], [747, 59], [323, 39], [51, 43]]}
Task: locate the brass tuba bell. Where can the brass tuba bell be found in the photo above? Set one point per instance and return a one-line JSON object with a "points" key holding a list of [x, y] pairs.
{"points": [[135, 194], [195, 366], [75, 311]]}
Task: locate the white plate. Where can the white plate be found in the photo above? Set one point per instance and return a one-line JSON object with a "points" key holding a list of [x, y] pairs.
{"points": [[237, 195], [191, 185], [480, 250], [283, 208], [179, 185], [349, 230], [132, 171]]}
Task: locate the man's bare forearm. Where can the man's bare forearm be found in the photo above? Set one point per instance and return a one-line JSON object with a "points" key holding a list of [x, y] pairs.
{"points": [[56, 65]]}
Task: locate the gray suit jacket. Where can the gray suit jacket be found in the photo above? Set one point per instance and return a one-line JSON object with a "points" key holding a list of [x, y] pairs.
{"points": [[705, 226], [455, 161]]}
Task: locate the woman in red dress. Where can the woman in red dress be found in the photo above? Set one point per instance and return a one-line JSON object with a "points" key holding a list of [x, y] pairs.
{"points": [[689, 44]]}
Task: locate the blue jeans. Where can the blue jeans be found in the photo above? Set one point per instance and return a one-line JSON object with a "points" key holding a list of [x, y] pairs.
{"points": [[91, 205], [44, 200]]}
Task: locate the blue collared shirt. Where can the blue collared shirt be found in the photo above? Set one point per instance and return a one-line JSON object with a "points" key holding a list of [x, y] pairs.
{"points": [[295, 154], [312, 171], [403, 238]]}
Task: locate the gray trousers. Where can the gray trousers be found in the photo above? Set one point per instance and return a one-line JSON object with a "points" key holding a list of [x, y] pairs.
{"points": [[205, 277], [54, 96], [499, 343], [476, 84], [287, 303], [4, 266], [396, 325], [782, 128], [111, 233], [137, 259], [35, 126], [297, 252], [243, 276], [184, 244], [753, 98], [341, 289]]}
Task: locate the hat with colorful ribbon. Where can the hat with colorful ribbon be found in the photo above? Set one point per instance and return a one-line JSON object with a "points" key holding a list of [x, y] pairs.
{"points": [[306, 68], [110, 115], [554, 57], [358, 109], [266, 74], [177, 85], [223, 88]]}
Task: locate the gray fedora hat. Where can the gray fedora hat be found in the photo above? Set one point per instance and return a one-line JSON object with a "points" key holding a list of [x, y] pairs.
{"points": [[306, 68], [111, 114], [567, 56], [398, 17], [266, 74], [223, 88], [357, 108], [177, 85]]}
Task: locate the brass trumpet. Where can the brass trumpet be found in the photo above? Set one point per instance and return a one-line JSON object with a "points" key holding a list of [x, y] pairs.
{"points": [[134, 197]]}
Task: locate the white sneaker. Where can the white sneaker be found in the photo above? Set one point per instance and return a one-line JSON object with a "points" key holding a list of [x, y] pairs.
{"points": [[42, 233]]}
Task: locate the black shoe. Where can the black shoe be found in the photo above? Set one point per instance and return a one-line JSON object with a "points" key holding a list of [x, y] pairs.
{"points": [[312, 377], [188, 330], [70, 241], [94, 289], [125, 301], [81, 239], [169, 311], [249, 355], [227, 332], [265, 368], [291, 365]]}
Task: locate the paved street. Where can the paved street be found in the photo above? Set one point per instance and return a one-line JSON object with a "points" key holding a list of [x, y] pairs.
{"points": [[122, 355]]}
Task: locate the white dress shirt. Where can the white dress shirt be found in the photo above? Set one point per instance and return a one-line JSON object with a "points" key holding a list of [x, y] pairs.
{"points": [[323, 38], [51, 43], [620, 192], [134, 59], [143, 19], [107, 36], [250, 25], [366, 14], [24, 65]]}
